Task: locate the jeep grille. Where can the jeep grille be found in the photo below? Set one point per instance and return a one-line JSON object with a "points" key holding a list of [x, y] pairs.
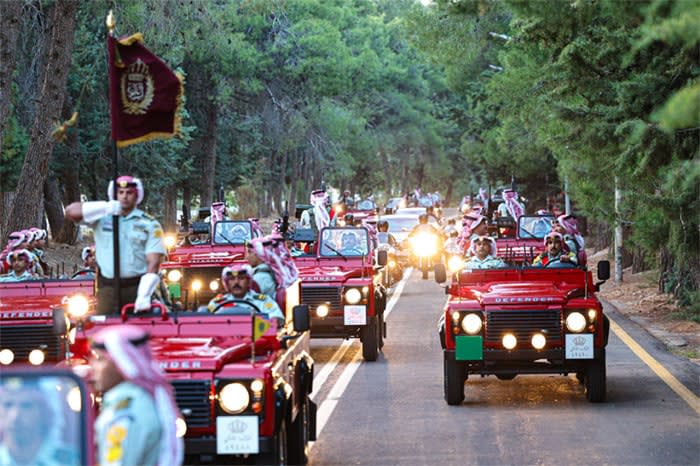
{"points": [[315, 295], [22, 339], [523, 324], [193, 396]]}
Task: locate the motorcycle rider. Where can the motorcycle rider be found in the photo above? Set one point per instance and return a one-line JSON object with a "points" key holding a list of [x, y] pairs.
{"points": [[383, 234], [424, 227]]}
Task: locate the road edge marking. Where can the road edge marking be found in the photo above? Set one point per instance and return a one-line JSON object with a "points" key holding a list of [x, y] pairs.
{"points": [[669, 379]]}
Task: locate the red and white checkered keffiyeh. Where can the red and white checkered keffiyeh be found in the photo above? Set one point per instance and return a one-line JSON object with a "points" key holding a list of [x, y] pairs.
{"points": [[128, 347]]}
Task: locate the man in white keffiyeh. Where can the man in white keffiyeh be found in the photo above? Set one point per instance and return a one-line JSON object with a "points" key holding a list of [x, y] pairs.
{"points": [[137, 421]]}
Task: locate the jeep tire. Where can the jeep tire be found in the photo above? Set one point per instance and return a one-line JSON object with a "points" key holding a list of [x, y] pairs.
{"points": [[299, 435], [454, 378], [370, 340], [594, 379], [278, 454]]}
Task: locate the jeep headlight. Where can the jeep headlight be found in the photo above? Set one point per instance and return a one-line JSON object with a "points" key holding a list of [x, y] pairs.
{"points": [[471, 324], [214, 285], [78, 306], [6, 356], [234, 398], [180, 427], [174, 276], [575, 322], [170, 241], [455, 264], [353, 296], [196, 285]]}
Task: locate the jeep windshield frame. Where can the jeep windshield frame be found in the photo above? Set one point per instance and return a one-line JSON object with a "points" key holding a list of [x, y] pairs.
{"points": [[330, 242], [232, 232]]}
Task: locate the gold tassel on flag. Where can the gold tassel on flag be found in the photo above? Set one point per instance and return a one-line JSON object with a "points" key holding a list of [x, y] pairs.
{"points": [[59, 132]]}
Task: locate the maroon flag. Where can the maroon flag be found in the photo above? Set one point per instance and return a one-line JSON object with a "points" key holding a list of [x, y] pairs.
{"points": [[145, 95]]}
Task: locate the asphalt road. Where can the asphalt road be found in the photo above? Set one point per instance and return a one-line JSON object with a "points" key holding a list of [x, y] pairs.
{"points": [[392, 411]]}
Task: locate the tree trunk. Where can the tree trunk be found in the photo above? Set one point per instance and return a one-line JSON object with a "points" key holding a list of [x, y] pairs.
{"points": [[26, 209], [187, 203], [68, 177], [170, 208], [54, 211], [9, 32], [209, 150]]}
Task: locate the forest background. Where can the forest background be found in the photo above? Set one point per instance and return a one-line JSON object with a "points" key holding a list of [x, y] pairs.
{"points": [[374, 96]]}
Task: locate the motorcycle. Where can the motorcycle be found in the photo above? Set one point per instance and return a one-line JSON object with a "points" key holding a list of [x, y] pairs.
{"points": [[426, 251], [393, 271]]}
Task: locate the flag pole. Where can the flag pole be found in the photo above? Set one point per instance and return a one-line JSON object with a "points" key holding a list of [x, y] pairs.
{"points": [[111, 23], [252, 335]]}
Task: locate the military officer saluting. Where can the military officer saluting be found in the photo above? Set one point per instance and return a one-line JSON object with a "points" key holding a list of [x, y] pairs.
{"points": [[237, 284], [140, 243], [138, 417]]}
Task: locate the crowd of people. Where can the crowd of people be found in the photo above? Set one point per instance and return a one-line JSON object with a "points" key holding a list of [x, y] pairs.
{"points": [[562, 241], [23, 256]]}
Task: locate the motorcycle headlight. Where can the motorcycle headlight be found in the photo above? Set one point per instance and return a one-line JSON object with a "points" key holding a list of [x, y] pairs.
{"points": [[353, 296], [174, 276], [234, 398], [214, 285], [78, 306], [424, 245], [455, 264], [575, 322]]}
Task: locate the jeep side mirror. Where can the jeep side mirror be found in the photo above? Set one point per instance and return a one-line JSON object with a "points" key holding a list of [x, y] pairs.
{"points": [[440, 273], [603, 270], [382, 258], [59, 321], [302, 318]]}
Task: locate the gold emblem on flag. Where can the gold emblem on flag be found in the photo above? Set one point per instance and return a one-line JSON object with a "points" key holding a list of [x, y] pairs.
{"points": [[137, 88]]}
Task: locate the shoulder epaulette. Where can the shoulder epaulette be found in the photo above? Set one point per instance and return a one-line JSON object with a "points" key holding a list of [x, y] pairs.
{"points": [[261, 296]]}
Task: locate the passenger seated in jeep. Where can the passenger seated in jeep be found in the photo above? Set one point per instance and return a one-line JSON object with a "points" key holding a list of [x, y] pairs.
{"points": [[556, 253], [483, 254], [237, 284], [20, 261]]}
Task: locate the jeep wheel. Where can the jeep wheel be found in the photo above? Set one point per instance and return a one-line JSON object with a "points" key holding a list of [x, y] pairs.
{"points": [[278, 454], [370, 340], [455, 375], [580, 376], [508, 376], [299, 436], [425, 272], [381, 328], [594, 380]]}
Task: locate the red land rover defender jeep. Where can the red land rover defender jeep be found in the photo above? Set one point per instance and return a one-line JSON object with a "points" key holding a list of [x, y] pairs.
{"points": [[340, 284], [505, 322], [241, 398], [26, 325], [192, 270]]}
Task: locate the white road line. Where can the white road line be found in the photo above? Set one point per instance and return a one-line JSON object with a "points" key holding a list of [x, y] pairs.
{"points": [[397, 292], [328, 405], [323, 375]]}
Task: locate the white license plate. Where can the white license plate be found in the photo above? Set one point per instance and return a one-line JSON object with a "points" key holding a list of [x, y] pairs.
{"points": [[237, 435], [579, 346], [355, 315]]}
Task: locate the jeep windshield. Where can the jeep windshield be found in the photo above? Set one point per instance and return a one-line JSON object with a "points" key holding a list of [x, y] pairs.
{"points": [[348, 242], [50, 415], [536, 226], [234, 232]]}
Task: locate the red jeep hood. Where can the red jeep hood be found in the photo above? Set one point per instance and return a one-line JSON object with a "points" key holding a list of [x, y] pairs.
{"points": [[199, 354], [524, 293]]}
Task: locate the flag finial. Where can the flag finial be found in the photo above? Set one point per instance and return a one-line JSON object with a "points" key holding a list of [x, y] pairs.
{"points": [[110, 21]]}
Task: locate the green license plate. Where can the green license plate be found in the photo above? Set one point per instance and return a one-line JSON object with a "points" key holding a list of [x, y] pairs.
{"points": [[469, 348], [174, 290]]}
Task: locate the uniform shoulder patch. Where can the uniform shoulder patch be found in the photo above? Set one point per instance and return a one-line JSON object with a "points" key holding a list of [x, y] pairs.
{"points": [[269, 305], [261, 296], [158, 233], [147, 215], [123, 404]]}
